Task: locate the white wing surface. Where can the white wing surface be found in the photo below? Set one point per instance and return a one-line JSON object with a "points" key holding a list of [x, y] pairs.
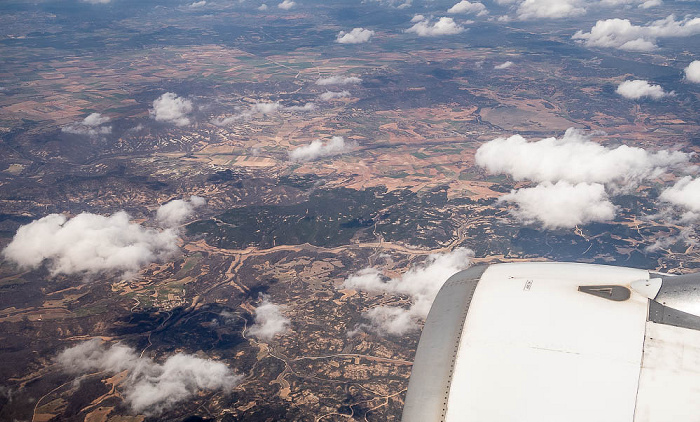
{"points": [[558, 342]]}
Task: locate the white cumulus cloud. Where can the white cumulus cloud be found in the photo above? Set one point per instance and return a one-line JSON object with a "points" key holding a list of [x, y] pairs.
{"points": [[90, 126], [504, 65], [622, 34], [421, 284], [78, 129], [443, 26], [150, 387], [259, 108], [650, 3], [317, 149], [95, 119], [265, 108], [550, 9], [574, 175], [557, 9], [305, 107], [684, 193], [466, 6], [636, 89], [286, 4], [561, 204], [332, 95], [268, 321], [338, 80], [175, 212], [692, 72], [685, 235], [574, 158], [89, 244], [356, 36], [169, 108]]}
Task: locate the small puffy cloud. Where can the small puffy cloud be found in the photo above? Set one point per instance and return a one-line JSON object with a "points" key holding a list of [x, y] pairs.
{"points": [[317, 149], [93, 355], [421, 284], [262, 7], [96, 1], [197, 201], [356, 36], [550, 9], [367, 279], [504, 65], [259, 108], [268, 321], [684, 193], [175, 212], [95, 119], [391, 320], [443, 26], [89, 126], [557, 9], [198, 4], [561, 204], [169, 108], [398, 4], [227, 121], [78, 129], [650, 3], [622, 34], [331, 95], [574, 158], [338, 80], [89, 244], [305, 107], [418, 18], [686, 235], [265, 108], [692, 72], [636, 89], [465, 6], [286, 4], [150, 387], [642, 4]]}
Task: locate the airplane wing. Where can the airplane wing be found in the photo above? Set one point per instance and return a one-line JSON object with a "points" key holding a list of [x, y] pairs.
{"points": [[559, 342]]}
